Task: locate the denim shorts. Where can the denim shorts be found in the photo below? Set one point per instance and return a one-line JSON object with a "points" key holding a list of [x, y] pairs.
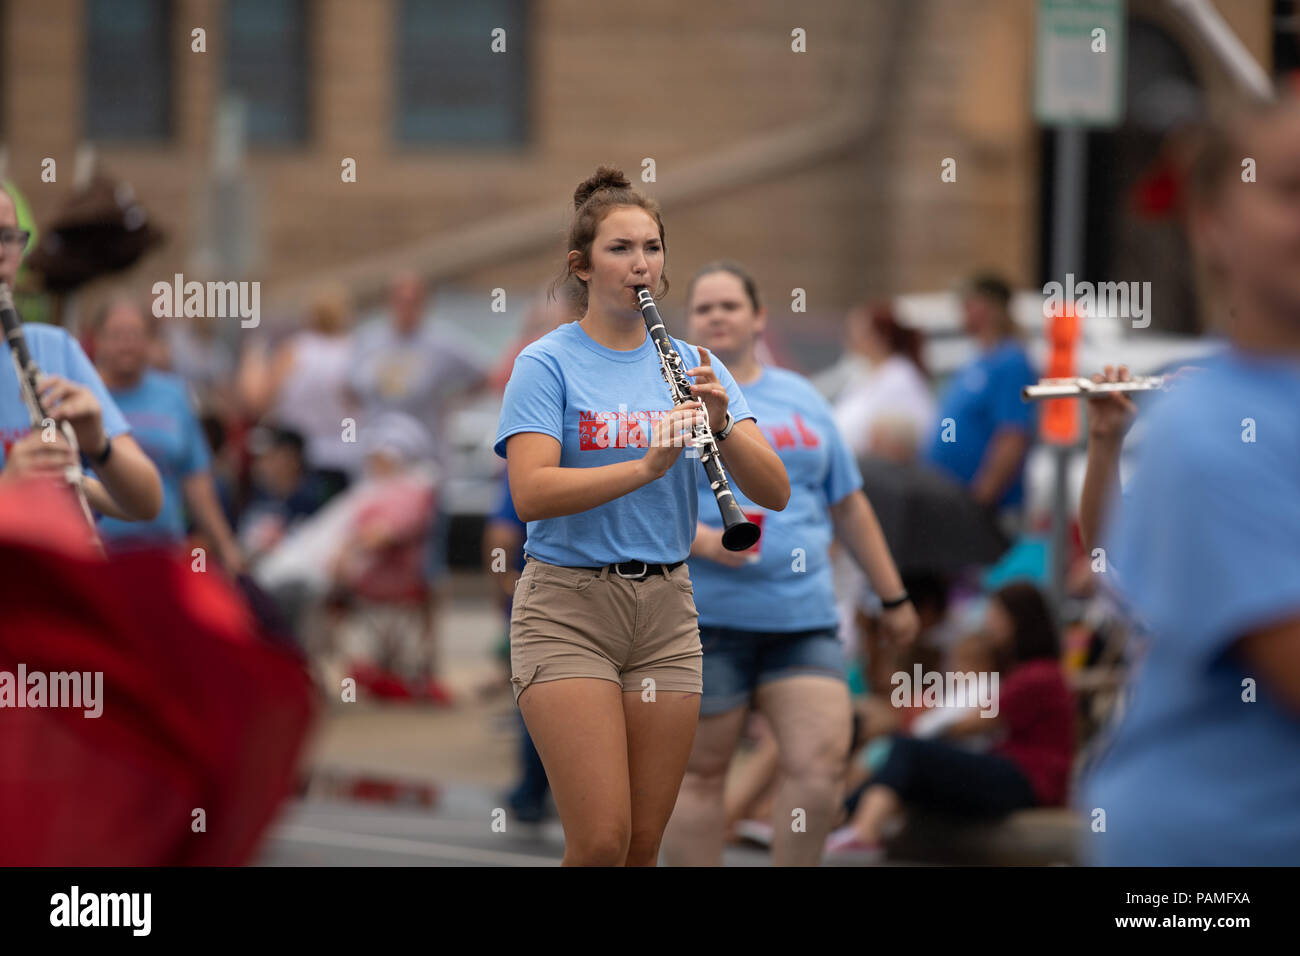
{"points": [[435, 556], [736, 662]]}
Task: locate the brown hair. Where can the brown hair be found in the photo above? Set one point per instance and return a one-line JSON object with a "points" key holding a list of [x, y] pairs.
{"points": [[606, 189], [735, 269], [996, 291], [329, 311], [1034, 633], [898, 338]]}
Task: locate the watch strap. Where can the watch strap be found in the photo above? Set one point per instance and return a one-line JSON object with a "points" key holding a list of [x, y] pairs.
{"points": [[726, 429]]}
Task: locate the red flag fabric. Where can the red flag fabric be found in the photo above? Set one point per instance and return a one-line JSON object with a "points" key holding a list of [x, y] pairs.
{"points": [[202, 720]]}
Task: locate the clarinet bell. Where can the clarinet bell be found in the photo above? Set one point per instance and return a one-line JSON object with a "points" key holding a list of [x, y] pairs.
{"points": [[739, 535]]}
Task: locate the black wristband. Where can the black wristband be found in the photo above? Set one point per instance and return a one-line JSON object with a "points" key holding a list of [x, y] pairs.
{"points": [[896, 602], [102, 460]]}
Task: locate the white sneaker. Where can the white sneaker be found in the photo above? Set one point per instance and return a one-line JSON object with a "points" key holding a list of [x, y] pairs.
{"points": [[845, 844], [754, 831]]}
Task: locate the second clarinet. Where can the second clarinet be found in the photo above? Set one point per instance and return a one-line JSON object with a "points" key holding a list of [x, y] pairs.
{"points": [[738, 532]]}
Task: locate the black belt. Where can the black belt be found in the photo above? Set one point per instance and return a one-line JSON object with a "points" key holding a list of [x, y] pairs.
{"points": [[636, 570]]}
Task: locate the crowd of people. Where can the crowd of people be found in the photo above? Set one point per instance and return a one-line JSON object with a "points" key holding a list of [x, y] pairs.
{"points": [[643, 652]]}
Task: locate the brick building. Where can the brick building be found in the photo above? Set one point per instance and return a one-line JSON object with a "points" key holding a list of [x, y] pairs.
{"points": [[819, 169]]}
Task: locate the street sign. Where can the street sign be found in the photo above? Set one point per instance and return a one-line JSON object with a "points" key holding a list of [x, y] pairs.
{"points": [[1079, 52]]}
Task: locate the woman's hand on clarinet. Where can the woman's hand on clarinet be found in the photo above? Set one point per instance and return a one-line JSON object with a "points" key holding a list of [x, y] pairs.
{"points": [[76, 404], [33, 457], [672, 432], [708, 389]]}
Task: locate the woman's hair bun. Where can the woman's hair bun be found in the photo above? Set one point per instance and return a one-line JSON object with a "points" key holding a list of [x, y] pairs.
{"points": [[605, 177]]}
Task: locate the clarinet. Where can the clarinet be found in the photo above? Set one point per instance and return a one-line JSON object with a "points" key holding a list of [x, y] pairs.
{"points": [[29, 375], [738, 532]]}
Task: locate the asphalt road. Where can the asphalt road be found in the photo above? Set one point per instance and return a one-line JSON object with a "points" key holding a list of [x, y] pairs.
{"points": [[458, 833]]}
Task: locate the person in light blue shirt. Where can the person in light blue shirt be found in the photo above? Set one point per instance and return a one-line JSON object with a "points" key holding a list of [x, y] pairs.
{"points": [[126, 483], [985, 428], [768, 619], [1203, 768], [604, 647], [157, 407]]}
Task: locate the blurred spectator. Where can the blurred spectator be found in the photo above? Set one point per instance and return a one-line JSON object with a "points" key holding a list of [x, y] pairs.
{"points": [[503, 540], [380, 559], [985, 428], [851, 369], [306, 390], [377, 568], [1031, 764], [890, 410], [544, 315], [404, 365], [192, 349], [157, 407], [283, 491]]}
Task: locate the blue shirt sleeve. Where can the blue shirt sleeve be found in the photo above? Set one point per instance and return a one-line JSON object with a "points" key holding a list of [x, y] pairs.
{"points": [[842, 474], [533, 401], [1206, 561], [1005, 384], [83, 373], [197, 455]]}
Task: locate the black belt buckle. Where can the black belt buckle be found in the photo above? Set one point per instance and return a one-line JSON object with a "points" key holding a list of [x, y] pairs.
{"points": [[640, 576]]}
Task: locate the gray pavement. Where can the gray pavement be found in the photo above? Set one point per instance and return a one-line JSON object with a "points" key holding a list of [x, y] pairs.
{"points": [[465, 753]]}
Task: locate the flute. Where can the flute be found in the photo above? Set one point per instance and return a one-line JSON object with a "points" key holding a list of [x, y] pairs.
{"points": [[29, 375], [738, 532], [1085, 387]]}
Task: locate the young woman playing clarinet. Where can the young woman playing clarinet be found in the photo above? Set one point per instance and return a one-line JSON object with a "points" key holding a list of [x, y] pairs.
{"points": [[604, 647], [768, 620]]}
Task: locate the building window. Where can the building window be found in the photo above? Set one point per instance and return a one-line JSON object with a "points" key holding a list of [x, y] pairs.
{"points": [[452, 89], [128, 69], [266, 64]]}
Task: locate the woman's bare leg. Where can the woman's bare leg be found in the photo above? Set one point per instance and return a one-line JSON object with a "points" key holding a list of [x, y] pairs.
{"points": [[751, 787], [577, 726], [695, 834], [878, 805], [660, 734], [812, 719]]}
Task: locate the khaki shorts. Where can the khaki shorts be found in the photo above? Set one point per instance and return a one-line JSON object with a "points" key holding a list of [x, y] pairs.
{"points": [[572, 622]]}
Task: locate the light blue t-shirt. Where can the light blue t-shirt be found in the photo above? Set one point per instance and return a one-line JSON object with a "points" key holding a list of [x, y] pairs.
{"points": [[601, 405], [981, 398], [1207, 550], [158, 411], [789, 588], [55, 352]]}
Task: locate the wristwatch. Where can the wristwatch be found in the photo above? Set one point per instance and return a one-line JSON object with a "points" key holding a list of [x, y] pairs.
{"points": [[102, 459], [726, 429]]}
